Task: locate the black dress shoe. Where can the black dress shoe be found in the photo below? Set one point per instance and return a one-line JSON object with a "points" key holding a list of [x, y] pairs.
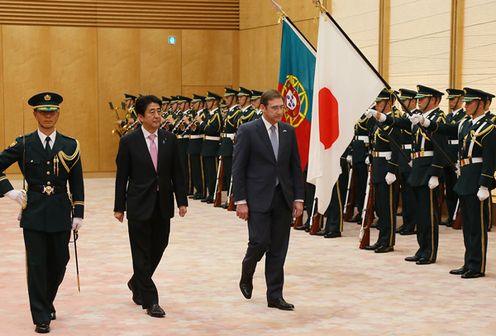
{"points": [[407, 232], [197, 196], [384, 249], [372, 247], [42, 328], [204, 200], [459, 271], [423, 261], [136, 295], [246, 289], [413, 258], [301, 227], [332, 235], [155, 311], [210, 200], [472, 275], [53, 315], [280, 304], [401, 228], [321, 233]]}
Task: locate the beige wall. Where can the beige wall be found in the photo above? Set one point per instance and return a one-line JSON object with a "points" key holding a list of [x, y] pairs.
{"points": [[91, 66]]}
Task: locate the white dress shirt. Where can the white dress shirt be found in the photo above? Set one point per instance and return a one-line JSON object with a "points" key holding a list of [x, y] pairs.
{"points": [[43, 138]]}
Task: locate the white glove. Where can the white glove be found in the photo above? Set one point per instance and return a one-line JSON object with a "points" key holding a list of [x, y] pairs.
{"points": [[18, 196], [433, 182], [77, 223], [457, 169], [381, 117], [410, 163], [416, 119], [370, 113], [483, 193], [348, 159], [367, 160], [390, 178]]}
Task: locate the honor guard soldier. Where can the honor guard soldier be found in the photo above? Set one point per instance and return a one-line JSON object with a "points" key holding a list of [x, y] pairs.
{"points": [[228, 132], [409, 104], [211, 127], [429, 159], [196, 135], [253, 112], [385, 146], [165, 105], [477, 161], [49, 161], [455, 98], [183, 137]]}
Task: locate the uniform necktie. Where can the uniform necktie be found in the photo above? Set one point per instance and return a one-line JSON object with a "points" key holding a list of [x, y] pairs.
{"points": [[153, 150], [47, 146], [274, 140]]}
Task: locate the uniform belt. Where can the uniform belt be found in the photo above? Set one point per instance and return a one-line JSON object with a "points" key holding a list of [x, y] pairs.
{"points": [[416, 155], [196, 136], [213, 138], [386, 155], [47, 190], [453, 142], [180, 136], [467, 161], [228, 135], [407, 146], [363, 138]]}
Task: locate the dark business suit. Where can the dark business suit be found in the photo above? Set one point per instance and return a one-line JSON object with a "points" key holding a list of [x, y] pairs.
{"points": [[148, 197], [256, 171]]}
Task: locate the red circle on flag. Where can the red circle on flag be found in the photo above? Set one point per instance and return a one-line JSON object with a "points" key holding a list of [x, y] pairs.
{"points": [[328, 118]]}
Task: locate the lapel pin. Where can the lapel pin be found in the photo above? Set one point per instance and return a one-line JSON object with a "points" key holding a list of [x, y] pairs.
{"points": [[284, 131]]}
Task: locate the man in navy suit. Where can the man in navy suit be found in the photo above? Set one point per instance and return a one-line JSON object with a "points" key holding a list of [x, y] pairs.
{"points": [[149, 174], [268, 192]]}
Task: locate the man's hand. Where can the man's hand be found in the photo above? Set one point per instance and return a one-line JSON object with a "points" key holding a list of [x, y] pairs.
{"points": [[119, 216], [77, 223], [182, 210], [242, 211], [297, 209], [18, 196]]}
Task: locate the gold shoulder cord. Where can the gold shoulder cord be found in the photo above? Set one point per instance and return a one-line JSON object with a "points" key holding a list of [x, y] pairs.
{"points": [[64, 158]]}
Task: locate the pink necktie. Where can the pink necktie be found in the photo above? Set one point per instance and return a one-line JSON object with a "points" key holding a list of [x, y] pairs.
{"points": [[153, 150]]}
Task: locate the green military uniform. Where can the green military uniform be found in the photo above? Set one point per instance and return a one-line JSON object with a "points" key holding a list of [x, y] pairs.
{"points": [[47, 218], [251, 113], [182, 134], [210, 149], [194, 151]]}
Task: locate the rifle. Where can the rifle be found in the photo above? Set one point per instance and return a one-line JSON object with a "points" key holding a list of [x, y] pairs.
{"points": [[349, 210], [457, 217], [230, 198], [316, 219], [218, 184], [367, 213]]}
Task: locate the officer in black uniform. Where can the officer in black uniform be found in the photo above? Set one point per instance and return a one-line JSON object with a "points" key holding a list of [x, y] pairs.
{"points": [[455, 98], [210, 149], [409, 105], [48, 160], [429, 160], [477, 160], [385, 145], [195, 145]]}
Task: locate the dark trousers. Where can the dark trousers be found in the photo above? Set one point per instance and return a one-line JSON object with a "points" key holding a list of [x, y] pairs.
{"points": [[426, 201], [451, 195], [227, 167], [210, 168], [475, 217], [360, 185], [309, 200], [47, 257], [148, 242], [407, 200], [196, 173], [269, 234], [334, 212], [385, 209]]}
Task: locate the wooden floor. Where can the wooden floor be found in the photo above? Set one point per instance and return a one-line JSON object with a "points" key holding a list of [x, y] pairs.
{"points": [[337, 289]]}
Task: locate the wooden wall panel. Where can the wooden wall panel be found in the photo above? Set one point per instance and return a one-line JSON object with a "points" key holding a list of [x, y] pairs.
{"points": [[202, 66], [2, 114], [420, 44], [479, 67]]}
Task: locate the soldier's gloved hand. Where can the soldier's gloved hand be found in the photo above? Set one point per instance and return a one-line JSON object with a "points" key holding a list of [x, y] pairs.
{"points": [[381, 117], [457, 169], [77, 223], [370, 113], [483, 193], [367, 160], [416, 118], [390, 178], [16, 195], [410, 163], [348, 159], [433, 182]]}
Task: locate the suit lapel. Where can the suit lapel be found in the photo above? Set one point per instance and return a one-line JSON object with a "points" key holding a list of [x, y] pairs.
{"points": [[162, 141], [262, 131]]}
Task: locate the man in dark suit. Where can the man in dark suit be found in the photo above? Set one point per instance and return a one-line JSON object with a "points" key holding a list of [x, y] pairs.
{"points": [[149, 174], [48, 160], [268, 192]]}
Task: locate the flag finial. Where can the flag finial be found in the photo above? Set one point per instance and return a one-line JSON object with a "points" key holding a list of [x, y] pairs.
{"points": [[279, 10], [318, 3]]}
